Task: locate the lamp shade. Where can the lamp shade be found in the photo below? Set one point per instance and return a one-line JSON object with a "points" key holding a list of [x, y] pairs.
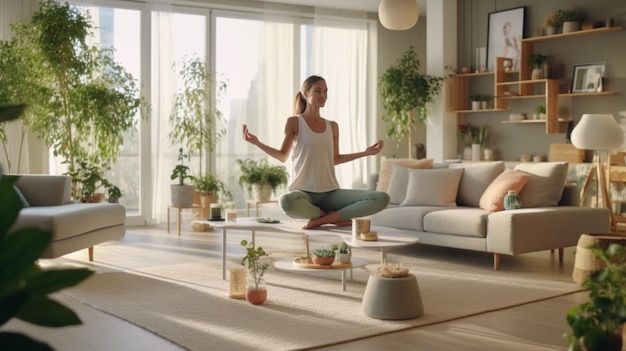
{"points": [[398, 14], [597, 132]]}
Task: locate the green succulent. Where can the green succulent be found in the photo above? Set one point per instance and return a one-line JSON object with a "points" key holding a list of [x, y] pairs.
{"points": [[324, 252]]}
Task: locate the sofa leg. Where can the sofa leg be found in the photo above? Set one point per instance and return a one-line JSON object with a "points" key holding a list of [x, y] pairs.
{"points": [[90, 249], [496, 261], [561, 255]]}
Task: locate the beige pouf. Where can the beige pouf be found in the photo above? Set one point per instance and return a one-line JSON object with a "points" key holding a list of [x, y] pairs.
{"points": [[392, 298], [586, 262]]}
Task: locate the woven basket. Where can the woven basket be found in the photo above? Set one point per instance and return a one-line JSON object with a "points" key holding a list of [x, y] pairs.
{"points": [[586, 262]]}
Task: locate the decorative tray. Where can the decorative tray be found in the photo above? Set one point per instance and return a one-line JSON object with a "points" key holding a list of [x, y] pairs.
{"points": [[268, 220], [307, 262]]}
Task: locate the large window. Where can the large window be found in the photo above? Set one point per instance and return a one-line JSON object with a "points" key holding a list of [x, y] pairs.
{"points": [[262, 59]]}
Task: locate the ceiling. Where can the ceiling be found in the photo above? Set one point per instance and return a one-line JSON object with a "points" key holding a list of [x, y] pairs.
{"points": [[360, 5]]}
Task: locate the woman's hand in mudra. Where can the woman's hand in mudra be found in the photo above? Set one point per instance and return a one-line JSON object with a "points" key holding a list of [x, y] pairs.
{"points": [[375, 149], [247, 136]]}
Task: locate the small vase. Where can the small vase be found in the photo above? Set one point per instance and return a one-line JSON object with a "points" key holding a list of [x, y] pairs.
{"points": [[476, 105], [467, 153], [475, 152], [256, 294], [512, 201], [537, 73]]}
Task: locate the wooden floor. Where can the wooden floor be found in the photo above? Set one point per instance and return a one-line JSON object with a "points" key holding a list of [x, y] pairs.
{"points": [[536, 326]]}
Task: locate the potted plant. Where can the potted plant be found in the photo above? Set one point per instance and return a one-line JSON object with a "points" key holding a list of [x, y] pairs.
{"points": [[182, 194], [114, 193], [256, 291], [345, 255], [261, 176], [549, 23], [406, 95], [541, 111], [323, 256], [210, 188], [597, 324], [537, 60], [85, 109], [475, 100]]}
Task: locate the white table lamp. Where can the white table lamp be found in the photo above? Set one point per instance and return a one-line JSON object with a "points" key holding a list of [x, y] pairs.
{"points": [[598, 132]]}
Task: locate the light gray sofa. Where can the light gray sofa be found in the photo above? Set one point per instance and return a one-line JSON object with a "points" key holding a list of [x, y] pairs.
{"points": [[543, 224], [75, 226]]}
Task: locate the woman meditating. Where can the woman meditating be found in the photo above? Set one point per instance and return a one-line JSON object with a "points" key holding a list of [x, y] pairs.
{"points": [[314, 192]]}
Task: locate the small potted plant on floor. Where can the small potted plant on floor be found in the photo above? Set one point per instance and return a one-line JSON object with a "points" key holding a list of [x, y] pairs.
{"points": [[256, 292], [323, 256], [114, 193], [182, 194], [597, 324]]}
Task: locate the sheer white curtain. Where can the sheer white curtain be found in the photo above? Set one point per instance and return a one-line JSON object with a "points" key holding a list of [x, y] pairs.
{"points": [[17, 148], [339, 54], [171, 42]]}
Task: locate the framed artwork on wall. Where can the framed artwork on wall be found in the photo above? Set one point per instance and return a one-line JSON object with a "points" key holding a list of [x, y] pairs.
{"points": [[588, 77], [504, 36]]}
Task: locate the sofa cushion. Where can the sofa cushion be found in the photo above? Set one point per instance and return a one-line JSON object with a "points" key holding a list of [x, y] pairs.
{"points": [[398, 184], [70, 220], [545, 183], [387, 164], [493, 198], [475, 180], [408, 218], [432, 187], [463, 221]]}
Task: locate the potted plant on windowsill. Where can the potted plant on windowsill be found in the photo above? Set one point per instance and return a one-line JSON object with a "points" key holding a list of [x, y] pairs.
{"points": [[182, 194], [263, 177], [598, 323], [256, 291]]}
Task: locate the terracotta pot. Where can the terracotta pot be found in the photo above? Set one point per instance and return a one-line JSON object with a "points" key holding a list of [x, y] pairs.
{"points": [[256, 297], [324, 261]]}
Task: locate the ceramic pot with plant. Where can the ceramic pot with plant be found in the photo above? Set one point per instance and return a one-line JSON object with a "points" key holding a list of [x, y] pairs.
{"points": [[597, 324], [323, 256], [261, 176], [537, 60], [256, 291], [476, 101], [209, 188], [541, 112], [182, 194], [344, 255]]}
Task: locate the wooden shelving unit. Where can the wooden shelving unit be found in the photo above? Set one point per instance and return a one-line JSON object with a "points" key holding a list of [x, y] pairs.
{"points": [[515, 85]]}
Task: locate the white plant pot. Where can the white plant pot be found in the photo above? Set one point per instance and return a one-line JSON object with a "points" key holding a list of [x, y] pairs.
{"points": [[476, 105], [182, 195], [475, 152], [570, 26], [345, 257], [263, 192], [537, 73], [550, 30]]}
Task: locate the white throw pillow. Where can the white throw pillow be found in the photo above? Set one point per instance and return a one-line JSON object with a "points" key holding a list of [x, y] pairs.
{"points": [[432, 187], [398, 184], [545, 184], [387, 164]]}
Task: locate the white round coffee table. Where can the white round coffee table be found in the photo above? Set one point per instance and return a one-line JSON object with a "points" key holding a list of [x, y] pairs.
{"points": [[287, 264]]}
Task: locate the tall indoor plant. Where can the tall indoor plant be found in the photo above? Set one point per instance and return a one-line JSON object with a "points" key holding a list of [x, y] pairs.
{"points": [[91, 101], [406, 95]]}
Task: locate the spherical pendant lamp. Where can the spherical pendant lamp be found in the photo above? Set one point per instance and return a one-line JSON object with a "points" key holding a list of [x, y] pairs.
{"points": [[398, 14]]}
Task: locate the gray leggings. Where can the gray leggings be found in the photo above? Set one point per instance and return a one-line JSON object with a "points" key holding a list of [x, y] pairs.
{"points": [[348, 203]]}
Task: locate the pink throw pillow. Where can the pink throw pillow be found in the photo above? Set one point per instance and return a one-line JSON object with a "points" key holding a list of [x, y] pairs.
{"points": [[493, 198]]}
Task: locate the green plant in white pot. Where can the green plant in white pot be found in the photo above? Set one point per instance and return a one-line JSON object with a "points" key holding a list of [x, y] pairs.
{"points": [[263, 177], [406, 96], [182, 194]]}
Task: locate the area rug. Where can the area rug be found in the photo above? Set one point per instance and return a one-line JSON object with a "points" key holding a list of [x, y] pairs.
{"points": [[187, 303]]}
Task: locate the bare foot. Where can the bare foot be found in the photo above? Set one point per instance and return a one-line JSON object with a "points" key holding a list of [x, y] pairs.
{"points": [[328, 218]]}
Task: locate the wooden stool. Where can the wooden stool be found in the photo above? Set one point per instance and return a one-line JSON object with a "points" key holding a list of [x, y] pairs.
{"points": [[586, 263], [392, 298]]}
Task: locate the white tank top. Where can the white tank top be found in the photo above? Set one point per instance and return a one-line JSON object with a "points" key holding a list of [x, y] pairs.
{"points": [[313, 168]]}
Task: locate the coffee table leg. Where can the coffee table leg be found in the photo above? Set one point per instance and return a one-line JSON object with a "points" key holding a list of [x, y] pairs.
{"points": [[383, 255], [223, 253], [343, 279]]}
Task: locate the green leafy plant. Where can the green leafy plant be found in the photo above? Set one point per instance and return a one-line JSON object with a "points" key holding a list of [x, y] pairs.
{"points": [[405, 89], [254, 259], [599, 321], [344, 248], [476, 97], [196, 122], [540, 109], [259, 173], [181, 171], [557, 18], [112, 190], [208, 183], [323, 252], [25, 285], [537, 60], [472, 134], [87, 103]]}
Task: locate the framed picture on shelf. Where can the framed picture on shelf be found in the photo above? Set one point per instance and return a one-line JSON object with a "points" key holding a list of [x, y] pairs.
{"points": [[504, 36], [588, 77]]}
